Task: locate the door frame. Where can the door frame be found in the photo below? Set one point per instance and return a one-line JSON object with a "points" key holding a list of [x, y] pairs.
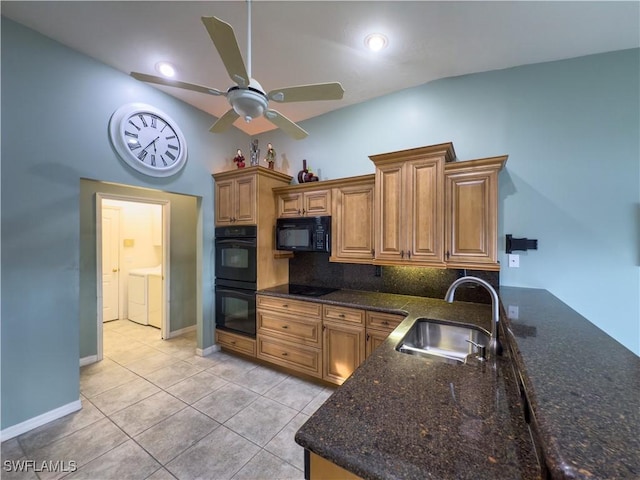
{"points": [[166, 205]]}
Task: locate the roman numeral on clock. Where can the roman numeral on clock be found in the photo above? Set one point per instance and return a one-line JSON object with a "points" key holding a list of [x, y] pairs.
{"points": [[153, 160], [163, 161], [136, 126], [153, 122], [134, 146], [142, 155], [172, 147], [129, 134], [170, 155], [144, 122]]}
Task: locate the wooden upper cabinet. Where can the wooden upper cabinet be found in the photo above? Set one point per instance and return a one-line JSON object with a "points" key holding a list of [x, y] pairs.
{"points": [[243, 196], [409, 206], [304, 203], [235, 201], [352, 221], [471, 231]]}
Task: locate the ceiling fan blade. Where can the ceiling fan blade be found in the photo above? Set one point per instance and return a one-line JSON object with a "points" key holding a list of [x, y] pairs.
{"points": [[224, 39], [224, 122], [286, 125], [175, 83], [305, 93]]}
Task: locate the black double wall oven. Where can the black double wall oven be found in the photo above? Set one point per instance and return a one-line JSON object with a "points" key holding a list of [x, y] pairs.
{"points": [[236, 279]]}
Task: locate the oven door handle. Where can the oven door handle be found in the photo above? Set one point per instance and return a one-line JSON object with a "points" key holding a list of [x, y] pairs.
{"points": [[249, 243], [234, 292]]}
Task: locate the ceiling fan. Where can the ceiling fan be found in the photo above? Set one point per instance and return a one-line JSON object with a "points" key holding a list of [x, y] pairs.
{"points": [[247, 98]]}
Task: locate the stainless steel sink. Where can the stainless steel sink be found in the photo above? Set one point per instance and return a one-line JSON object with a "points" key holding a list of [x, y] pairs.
{"points": [[444, 342]]}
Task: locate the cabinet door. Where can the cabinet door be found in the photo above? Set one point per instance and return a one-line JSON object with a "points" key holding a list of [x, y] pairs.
{"points": [[316, 203], [290, 205], [389, 200], [471, 230], [245, 200], [225, 209], [353, 224], [375, 339], [425, 217], [343, 351]]}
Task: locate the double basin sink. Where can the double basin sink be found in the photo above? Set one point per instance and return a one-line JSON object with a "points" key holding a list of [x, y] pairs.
{"points": [[444, 342]]}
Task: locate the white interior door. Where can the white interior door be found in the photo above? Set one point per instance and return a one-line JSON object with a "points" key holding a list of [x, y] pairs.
{"points": [[110, 263]]}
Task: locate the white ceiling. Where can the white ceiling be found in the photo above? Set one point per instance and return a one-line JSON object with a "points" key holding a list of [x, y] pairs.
{"points": [[322, 41]]}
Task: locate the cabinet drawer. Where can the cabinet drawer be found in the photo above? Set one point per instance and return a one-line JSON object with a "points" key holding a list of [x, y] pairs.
{"points": [[383, 321], [238, 343], [297, 357], [292, 328], [343, 314], [286, 305]]}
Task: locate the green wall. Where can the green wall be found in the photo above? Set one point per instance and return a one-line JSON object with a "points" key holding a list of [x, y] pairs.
{"points": [[572, 132], [56, 105]]}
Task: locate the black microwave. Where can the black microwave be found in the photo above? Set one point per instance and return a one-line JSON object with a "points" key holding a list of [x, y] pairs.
{"points": [[304, 234]]}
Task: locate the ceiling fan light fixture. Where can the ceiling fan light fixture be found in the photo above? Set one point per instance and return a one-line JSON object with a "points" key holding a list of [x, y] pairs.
{"points": [[247, 102], [165, 69], [376, 41]]}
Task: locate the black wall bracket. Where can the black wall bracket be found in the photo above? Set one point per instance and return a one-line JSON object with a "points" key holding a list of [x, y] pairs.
{"points": [[523, 244]]}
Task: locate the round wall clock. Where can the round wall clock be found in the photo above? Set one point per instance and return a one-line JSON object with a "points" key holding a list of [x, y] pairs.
{"points": [[148, 140]]}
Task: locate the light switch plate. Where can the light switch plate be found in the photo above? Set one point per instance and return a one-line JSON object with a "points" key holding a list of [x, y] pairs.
{"points": [[514, 260], [512, 312]]}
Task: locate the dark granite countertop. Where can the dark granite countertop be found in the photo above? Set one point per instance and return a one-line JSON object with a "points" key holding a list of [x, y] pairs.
{"points": [[401, 416], [583, 387]]}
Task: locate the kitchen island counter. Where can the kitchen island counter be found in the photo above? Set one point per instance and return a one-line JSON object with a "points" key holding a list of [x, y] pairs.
{"points": [[399, 416]]}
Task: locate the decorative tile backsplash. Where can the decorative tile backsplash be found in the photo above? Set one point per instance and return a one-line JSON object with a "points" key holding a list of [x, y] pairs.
{"points": [[315, 269]]}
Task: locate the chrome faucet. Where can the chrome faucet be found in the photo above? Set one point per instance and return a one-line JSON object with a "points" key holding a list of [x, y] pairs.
{"points": [[494, 344]]}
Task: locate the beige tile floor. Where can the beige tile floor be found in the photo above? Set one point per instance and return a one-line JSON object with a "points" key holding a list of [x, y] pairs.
{"points": [[154, 410]]}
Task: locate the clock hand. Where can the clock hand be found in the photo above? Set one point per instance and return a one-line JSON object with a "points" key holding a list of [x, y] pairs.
{"points": [[152, 143]]}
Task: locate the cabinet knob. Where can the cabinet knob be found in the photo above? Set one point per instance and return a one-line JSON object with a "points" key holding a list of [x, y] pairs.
{"points": [[285, 326], [368, 337], [284, 354], [384, 322], [285, 305], [341, 315], [114, 270]]}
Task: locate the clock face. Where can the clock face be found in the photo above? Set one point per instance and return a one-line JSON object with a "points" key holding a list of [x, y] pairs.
{"points": [[148, 140]]}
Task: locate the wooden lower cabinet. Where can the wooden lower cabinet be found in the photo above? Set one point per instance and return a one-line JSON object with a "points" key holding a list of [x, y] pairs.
{"points": [[343, 350], [297, 357], [379, 326], [322, 469], [237, 343], [321, 340]]}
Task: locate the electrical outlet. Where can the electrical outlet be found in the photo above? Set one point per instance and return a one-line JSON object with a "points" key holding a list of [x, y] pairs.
{"points": [[512, 312], [514, 260]]}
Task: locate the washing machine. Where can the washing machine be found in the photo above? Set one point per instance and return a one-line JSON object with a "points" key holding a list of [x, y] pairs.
{"points": [[145, 296]]}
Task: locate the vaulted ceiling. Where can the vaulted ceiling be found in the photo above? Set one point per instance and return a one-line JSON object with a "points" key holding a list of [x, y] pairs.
{"points": [[296, 42]]}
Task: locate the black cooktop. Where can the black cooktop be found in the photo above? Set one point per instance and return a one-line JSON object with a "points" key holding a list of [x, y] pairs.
{"points": [[310, 290]]}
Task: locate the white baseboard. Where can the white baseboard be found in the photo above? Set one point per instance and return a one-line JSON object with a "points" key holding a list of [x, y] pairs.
{"points": [[206, 351], [88, 360], [40, 420], [182, 331]]}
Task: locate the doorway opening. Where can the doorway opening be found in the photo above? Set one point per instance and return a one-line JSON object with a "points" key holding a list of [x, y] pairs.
{"points": [[132, 263]]}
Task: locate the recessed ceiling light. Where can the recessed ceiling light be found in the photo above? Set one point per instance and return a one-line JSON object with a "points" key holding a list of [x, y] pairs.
{"points": [[375, 41], [165, 69]]}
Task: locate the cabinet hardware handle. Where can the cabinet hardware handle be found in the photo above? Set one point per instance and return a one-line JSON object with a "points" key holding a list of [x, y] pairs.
{"points": [[401, 253], [285, 305], [285, 326], [384, 322], [324, 327], [298, 211], [368, 336], [409, 254], [233, 342], [284, 354], [447, 254], [341, 315], [304, 211]]}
